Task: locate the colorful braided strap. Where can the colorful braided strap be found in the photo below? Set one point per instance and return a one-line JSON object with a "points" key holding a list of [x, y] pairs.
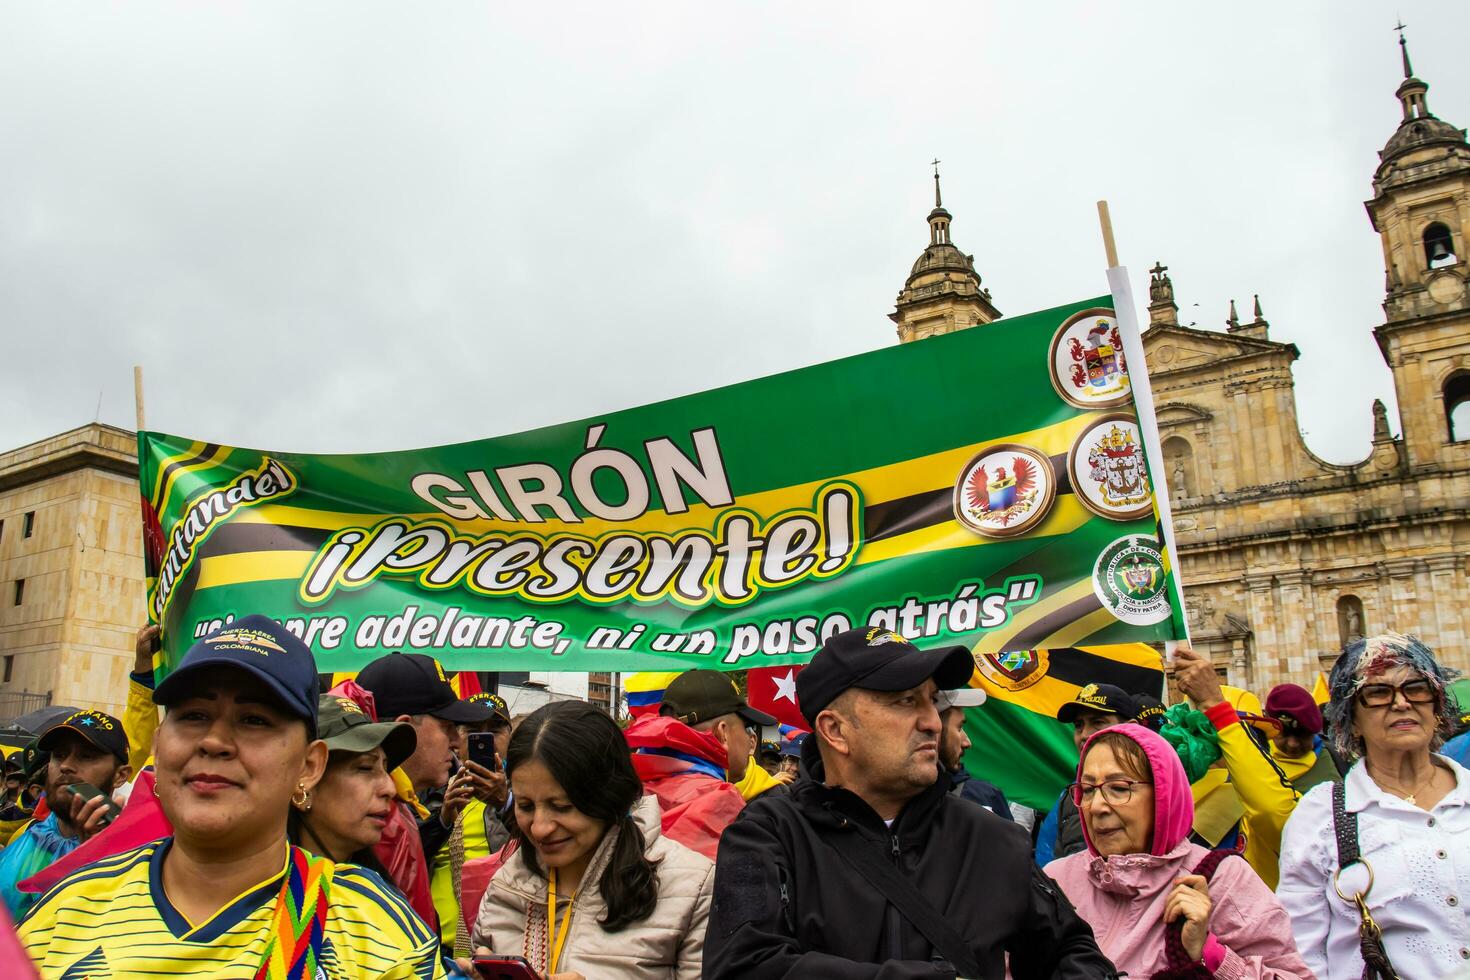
{"points": [[299, 921]]}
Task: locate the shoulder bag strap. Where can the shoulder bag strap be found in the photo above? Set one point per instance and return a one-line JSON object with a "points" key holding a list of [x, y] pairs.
{"points": [[1177, 964], [873, 865], [1376, 965]]}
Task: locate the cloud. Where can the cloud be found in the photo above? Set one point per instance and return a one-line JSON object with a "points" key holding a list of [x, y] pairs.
{"points": [[350, 227]]}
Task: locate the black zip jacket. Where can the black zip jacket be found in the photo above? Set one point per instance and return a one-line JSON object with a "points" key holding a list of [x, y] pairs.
{"points": [[787, 906]]}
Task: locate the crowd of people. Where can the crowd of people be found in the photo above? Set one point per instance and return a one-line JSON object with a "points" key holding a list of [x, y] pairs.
{"points": [[238, 821]]}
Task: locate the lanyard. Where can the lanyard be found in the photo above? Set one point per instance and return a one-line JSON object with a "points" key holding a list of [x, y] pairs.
{"points": [[555, 938]]}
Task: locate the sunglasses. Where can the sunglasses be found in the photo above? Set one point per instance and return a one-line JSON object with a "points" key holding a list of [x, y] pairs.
{"points": [[1382, 695]]}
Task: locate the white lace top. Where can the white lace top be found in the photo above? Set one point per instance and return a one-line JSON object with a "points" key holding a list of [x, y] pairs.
{"points": [[1420, 895]]}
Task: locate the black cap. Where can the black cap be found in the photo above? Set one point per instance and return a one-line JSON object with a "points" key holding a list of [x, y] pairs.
{"points": [[494, 702], [1101, 699], [414, 684], [698, 695], [345, 727], [1150, 711], [261, 647], [876, 660], [101, 730], [33, 761]]}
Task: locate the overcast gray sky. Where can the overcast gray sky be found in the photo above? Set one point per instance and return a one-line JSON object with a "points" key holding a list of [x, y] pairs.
{"points": [[368, 226]]}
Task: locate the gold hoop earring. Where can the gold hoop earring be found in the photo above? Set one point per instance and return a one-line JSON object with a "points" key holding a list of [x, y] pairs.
{"points": [[303, 804]]}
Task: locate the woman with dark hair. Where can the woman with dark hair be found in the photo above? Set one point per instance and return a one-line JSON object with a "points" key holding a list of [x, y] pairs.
{"points": [[344, 818], [593, 890], [1387, 846]]}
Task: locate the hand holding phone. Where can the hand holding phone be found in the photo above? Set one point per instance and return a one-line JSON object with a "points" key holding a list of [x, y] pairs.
{"points": [[86, 793], [482, 750]]}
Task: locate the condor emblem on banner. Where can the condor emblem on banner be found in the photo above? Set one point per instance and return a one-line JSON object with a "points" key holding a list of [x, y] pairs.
{"points": [[1087, 365], [1013, 671], [1005, 491], [1108, 471]]}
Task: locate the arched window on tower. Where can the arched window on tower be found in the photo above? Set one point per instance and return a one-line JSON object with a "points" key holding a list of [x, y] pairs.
{"points": [[1179, 468], [1457, 406], [1350, 619], [1439, 246]]}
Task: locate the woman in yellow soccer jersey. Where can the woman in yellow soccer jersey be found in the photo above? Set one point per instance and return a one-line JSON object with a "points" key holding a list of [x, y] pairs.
{"points": [[226, 896]]}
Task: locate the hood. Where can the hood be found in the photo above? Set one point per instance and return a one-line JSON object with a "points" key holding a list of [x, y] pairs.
{"points": [[676, 747], [1173, 801]]}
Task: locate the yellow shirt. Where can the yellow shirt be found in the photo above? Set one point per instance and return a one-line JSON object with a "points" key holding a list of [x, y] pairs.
{"points": [[112, 919]]}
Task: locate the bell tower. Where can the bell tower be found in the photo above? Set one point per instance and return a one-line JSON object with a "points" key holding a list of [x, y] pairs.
{"points": [[942, 293], [1421, 210]]}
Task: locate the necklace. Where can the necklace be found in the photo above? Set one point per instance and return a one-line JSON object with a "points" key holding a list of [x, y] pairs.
{"points": [[1411, 797]]}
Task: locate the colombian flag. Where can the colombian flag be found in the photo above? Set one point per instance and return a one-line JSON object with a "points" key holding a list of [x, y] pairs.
{"points": [[645, 690]]}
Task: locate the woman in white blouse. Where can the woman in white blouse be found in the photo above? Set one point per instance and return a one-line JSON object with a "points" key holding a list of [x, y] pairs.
{"points": [[1411, 807]]}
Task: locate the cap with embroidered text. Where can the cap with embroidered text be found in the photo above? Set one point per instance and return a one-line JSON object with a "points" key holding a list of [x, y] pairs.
{"points": [[262, 648], [876, 660]]}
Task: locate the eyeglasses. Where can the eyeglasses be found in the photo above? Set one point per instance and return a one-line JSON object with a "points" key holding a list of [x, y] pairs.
{"points": [[1115, 792], [1417, 691]]}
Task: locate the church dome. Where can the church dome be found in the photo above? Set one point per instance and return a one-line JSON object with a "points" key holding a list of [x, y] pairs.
{"points": [[1422, 132], [942, 257]]}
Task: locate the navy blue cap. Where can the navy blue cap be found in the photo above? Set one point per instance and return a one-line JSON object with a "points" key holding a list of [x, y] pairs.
{"points": [[792, 746], [876, 659], [262, 648]]}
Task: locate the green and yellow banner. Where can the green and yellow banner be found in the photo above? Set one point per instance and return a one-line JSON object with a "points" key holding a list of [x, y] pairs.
{"points": [[988, 487]]}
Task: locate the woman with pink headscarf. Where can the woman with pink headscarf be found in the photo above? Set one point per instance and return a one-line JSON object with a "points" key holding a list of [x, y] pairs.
{"points": [[1160, 906]]}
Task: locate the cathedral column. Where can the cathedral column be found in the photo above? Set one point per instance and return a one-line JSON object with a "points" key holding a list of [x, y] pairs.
{"points": [[1443, 572], [1261, 608], [1403, 601], [1296, 622]]}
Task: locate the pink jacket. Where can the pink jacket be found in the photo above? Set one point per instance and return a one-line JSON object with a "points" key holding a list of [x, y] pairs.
{"points": [[1122, 896]]}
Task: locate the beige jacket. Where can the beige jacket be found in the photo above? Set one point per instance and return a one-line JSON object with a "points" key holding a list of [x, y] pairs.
{"points": [[669, 943]]}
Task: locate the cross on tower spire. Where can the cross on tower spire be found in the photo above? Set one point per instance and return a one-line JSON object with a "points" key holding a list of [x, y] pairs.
{"points": [[1404, 49], [937, 202]]}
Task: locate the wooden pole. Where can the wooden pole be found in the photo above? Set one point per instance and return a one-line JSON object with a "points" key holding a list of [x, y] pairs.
{"points": [[1107, 232], [138, 394], [1143, 401]]}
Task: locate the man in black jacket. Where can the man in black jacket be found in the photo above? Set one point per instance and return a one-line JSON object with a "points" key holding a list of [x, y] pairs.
{"points": [[870, 868]]}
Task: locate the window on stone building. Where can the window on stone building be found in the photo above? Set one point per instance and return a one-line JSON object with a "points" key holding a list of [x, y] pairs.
{"points": [[28, 524], [1439, 246], [9, 667], [20, 590], [1179, 468], [1457, 406], [1350, 625]]}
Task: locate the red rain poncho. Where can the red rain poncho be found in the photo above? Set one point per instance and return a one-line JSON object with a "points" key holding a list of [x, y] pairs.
{"points": [[685, 770]]}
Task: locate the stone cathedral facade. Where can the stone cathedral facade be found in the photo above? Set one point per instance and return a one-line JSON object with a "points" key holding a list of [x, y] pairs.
{"points": [[1285, 556]]}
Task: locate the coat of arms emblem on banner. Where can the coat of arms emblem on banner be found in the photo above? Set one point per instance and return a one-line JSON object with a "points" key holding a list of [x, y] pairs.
{"points": [[1087, 365], [1015, 670], [1108, 471], [1005, 490], [1130, 581]]}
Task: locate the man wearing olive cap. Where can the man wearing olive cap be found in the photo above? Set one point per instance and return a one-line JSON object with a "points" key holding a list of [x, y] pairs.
{"points": [[871, 868]]}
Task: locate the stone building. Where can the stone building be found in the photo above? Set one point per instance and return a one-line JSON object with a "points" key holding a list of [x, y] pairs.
{"points": [[71, 570], [1287, 556]]}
